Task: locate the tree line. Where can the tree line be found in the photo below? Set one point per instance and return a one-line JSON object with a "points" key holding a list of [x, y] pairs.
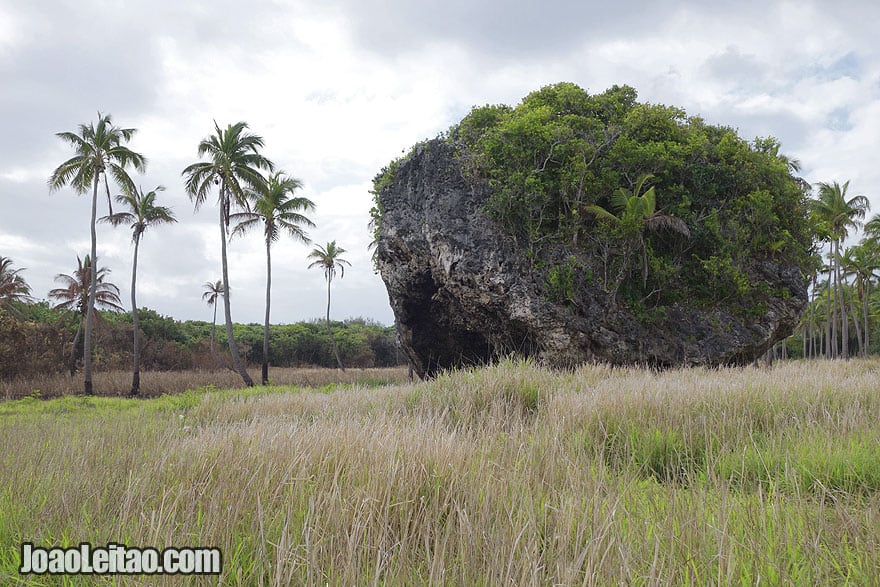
{"points": [[39, 338], [844, 306], [250, 194]]}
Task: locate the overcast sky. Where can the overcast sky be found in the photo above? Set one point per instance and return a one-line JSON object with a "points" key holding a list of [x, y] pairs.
{"points": [[340, 87]]}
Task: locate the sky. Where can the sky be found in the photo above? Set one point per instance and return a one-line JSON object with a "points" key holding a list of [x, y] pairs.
{"points": [[339, 88]]}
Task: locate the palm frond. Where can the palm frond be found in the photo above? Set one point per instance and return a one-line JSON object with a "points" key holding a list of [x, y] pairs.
{"points": [[76, 172], [244, 222], [601, 213], [640, 183], [619, 200], [662, 221], [118, 218]]}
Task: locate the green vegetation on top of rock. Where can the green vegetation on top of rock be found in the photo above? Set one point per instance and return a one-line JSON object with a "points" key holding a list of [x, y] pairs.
{"points": [[719, 203], [562, 154]]}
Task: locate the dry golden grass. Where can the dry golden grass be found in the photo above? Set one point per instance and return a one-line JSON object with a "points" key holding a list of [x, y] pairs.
{"points": [[156, 383], [510, 475]]}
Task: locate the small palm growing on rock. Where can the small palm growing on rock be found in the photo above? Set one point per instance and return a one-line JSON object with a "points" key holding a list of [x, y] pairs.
{"points": [[632, 216]]}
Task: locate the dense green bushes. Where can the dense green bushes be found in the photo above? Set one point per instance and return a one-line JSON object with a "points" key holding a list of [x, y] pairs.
{"points": [[40, 342], [565, 170]]}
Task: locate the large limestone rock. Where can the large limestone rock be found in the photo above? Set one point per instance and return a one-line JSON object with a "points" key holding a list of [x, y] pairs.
{"points": [[463, 294]]}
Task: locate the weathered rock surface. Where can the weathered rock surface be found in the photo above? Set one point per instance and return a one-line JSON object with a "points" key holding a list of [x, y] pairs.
{"points": [[463, 294]]}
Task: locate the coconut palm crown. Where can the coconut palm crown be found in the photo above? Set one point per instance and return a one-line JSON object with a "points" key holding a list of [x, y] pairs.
{"points": [[75, 293], [13, 287]]}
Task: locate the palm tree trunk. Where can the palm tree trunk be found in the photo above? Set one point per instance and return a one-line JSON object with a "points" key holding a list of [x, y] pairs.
{"points": [[230, 337], [329, 330], [72, 365], [830, 317], [136, 359], [265, 370], [804, 337], [93, 286], [865, 310], [109, 200], [214, 329], [844, 322], [621, 275], [813, 318], [855, 319]]}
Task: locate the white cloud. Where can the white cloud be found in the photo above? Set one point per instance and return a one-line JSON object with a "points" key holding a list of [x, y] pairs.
{"points": [[339, 88]]}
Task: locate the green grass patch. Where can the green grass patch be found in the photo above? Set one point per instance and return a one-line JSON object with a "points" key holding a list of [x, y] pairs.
{"points": [[510, 474]]}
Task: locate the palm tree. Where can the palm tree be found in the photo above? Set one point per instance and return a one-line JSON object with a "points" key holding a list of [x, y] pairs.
{"points": [[213, 291], [234, 165], [99, 150], [142, 213], [813, 268], [862, 262], [328, 258], [633, 215], [812, 319], [278, 212], [13, 287], [839, 214], [76, 296], [872, 229]]}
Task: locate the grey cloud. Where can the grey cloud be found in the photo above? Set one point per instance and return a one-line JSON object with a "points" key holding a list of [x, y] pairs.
{"points": [[792, 130], [744, 71], [518, 29], [29, 208], [65, 74], [76, 58], [515, 29]]}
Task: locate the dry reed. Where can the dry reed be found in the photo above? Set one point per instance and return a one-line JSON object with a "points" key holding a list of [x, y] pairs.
{"points": [[498, 476]]}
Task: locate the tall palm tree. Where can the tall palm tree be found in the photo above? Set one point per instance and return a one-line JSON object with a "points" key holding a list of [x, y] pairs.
{"points": [[213, 291], [13, 287], [100, 149], [142, 213], [278, 211], [328, 258], [862, 262], [635, 214], [839, 214], [234, 164], [78, 296]]}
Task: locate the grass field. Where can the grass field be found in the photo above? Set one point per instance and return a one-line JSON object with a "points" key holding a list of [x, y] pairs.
{"points": [[156, 383], [509, 475]]}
